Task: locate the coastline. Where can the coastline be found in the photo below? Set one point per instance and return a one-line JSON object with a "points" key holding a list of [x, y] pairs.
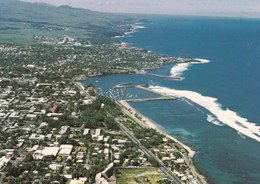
{"points": [[151, 124], [211, 171], [129, 110]]}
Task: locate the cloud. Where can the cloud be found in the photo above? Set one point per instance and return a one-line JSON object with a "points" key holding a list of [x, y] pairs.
{"points": [[188, 7]]}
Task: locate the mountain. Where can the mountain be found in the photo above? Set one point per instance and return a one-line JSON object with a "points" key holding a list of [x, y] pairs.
{"points": [[21, 21]]}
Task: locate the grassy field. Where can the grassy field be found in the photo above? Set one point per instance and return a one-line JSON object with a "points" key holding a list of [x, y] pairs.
{"points": [[138, 175]]}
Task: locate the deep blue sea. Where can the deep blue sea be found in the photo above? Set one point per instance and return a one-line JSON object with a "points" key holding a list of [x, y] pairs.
{"points": [[220, 98]]}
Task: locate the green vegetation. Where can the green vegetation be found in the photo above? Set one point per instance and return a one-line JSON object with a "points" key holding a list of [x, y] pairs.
{"points": [[149, 137], [39, 19]]}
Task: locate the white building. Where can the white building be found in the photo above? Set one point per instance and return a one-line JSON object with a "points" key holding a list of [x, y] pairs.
{"points": [[47, 151], [36, 137], [65, 150], [86, 131], [64, 129], [3, 161]]}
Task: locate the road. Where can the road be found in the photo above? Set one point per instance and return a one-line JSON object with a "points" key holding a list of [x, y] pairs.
{"points": [[163, 168], [131, 136], [87, 166], [2, 176]]}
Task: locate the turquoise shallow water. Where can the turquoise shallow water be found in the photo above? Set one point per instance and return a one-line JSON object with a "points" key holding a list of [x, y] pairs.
{"points": [[232, 77]]}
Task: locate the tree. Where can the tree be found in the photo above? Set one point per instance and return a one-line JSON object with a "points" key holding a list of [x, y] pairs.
{"points": [[164, 181], [153, 162], [28, 158], [111, 124], [92, 92], [59, 159], [13, 170]]}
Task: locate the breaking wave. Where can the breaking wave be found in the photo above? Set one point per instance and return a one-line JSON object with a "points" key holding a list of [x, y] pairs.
{"points": [[178, 69], [226, 116]]}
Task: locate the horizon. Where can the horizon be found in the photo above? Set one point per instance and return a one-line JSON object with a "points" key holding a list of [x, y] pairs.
{"points": [[239, 9]]}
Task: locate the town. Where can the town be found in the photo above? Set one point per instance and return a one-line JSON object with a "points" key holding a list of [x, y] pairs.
{"points": [[55, 130]]}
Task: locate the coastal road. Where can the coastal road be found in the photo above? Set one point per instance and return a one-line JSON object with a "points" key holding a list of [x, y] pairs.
{"points": [[163, 168]]}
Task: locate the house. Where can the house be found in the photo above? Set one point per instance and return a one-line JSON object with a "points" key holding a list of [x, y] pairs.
{"points": [[49, 136], [179, 161], [64, 129], [47, 151], [20, 143], [117, 155], [4, 104], [31, 116], [101, 178], [100, 138], [81, 180], [96, 133], [14, 115], [43, 124], [34, 148], [87, 102], [55, 166], [106, 139], [86, 131], [3, 161], [65, 150], [166, 158], [106, 152], [4, 115], [43, 85], [36, 137], [80, 155]]}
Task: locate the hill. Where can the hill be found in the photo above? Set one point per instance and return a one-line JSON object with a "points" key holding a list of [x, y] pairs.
{"points": [[22, 21]]}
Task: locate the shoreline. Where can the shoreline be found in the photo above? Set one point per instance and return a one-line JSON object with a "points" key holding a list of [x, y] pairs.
{"points": [[128, 109], [152, 124]]}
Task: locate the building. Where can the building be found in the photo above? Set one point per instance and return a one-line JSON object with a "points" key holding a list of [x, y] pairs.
{"points": [[64, 129], [47, 151], [65, 150], [3, 161], [78, 181]]}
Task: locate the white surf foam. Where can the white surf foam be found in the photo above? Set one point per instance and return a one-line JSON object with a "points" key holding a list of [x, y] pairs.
{"points": [[226, 116], [201, 60], [213, 120], [178, 69], [139, 27]]}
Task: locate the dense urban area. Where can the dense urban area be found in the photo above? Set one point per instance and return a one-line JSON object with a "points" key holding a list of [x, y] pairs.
{"points": [[56, 130]]}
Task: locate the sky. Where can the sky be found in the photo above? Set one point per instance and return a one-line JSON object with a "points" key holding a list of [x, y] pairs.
{"points": [[234, 8]]}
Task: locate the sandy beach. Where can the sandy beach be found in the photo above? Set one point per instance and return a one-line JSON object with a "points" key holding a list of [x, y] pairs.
{"points": [[151, 124]]}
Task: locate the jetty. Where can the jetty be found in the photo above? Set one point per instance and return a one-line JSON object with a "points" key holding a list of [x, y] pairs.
{"points": [[151, 99], [128, 85], [164, 76]]}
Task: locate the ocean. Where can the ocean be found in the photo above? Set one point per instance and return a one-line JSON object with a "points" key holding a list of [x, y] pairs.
{"points": [[217, 113]]}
